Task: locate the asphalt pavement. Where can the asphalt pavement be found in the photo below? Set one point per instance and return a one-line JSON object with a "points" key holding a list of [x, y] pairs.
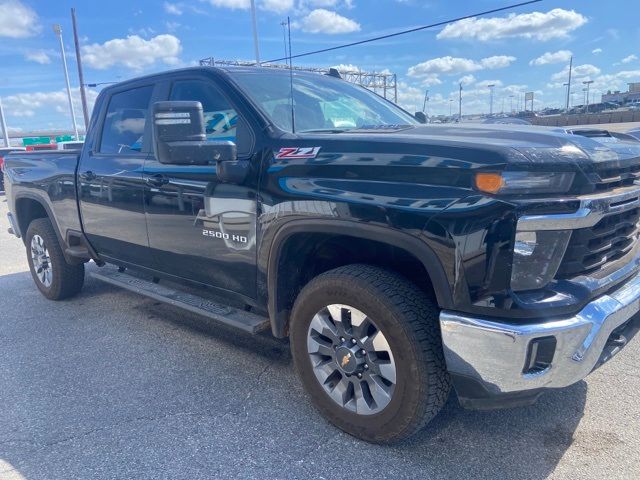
{"points": [[112, 385]]}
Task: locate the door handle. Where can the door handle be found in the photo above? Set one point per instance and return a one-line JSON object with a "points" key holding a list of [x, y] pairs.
{"points": [[157, 180], [88, 176]]}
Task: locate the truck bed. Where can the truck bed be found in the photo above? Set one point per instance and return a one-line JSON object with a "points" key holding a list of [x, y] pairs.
{"points": [[48, 176]]}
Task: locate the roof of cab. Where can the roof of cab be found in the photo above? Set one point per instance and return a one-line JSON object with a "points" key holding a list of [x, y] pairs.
{"points": [[225, 70]]}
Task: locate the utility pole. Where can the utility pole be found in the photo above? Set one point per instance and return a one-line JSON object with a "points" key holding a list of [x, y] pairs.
{"points": [[587, 83], [569, 82], [57, 29], [83, 93], [568, 86], [460, 103], [255, 31], [511, 97], [450, 107], [3, 125], [491, 87]]}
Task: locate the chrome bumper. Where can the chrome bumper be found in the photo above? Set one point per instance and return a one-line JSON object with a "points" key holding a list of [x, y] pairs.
{"points": [[494, 354], [13, 225]]}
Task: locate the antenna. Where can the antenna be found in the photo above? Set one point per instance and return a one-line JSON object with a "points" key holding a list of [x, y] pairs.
{"points": [[293, 108]]}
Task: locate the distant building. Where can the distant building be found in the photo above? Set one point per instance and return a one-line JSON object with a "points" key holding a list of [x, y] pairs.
{"points": [[623, 97]]}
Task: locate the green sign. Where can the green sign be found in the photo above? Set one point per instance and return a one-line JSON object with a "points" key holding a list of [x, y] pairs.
{"points": [[64, 138], [35, 141]]}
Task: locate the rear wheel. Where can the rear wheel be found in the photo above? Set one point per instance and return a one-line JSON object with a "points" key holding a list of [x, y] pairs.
{"points": [[53, 276], [367, 347]]}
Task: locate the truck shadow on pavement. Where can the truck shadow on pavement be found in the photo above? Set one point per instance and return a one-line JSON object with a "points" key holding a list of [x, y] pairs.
{"points": [[287, 434], [517, 443]]}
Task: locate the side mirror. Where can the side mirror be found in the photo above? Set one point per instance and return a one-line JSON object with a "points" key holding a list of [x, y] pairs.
{"points": [[179, 136], [421, 117]]}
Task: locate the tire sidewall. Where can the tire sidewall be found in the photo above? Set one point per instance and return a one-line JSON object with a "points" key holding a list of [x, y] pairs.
{"points": [[39, 227], [410, 365]]}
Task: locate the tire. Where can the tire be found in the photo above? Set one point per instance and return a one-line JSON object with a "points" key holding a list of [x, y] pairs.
{"points": [[409, 323], [63, 279]]}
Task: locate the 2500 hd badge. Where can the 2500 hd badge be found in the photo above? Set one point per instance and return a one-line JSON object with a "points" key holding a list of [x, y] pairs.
{"points": [[224, 236]]}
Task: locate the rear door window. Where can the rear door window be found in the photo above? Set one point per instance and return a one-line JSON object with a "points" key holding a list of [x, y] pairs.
{"points": [[124, 124]]}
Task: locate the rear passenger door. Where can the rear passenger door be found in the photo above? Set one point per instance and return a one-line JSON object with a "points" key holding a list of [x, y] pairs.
{"points": [[199, 228], [110, 182]]}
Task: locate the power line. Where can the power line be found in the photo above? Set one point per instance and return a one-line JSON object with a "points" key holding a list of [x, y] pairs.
{"points": [[382, 37]]}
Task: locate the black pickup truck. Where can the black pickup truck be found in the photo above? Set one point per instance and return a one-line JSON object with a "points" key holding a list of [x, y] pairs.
{"points": [[398, 258]]}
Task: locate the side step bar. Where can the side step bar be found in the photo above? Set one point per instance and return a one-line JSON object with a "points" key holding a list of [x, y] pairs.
{"points": [[247, 321]]}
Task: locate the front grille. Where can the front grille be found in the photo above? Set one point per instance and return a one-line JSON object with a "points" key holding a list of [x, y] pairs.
{"points": [[608, 179], [590, 249]]}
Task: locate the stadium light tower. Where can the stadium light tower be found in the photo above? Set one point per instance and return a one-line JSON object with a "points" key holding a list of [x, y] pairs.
{"points": [[57, 29]]}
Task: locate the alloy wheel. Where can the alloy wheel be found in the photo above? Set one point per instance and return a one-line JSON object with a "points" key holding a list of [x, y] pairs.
{"points": [[351, 359]]}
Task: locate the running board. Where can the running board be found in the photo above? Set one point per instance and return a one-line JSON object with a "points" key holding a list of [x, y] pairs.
{"points": [[247, 321]]}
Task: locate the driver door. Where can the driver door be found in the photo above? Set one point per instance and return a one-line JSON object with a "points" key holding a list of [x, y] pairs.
{"points": [[199, 228]]}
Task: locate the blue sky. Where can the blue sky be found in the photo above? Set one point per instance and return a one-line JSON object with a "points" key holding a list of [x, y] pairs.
{"points": [[525, 50]]}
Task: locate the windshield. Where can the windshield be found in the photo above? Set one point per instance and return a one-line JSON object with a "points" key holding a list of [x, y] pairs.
{"points": [[322, 103]]}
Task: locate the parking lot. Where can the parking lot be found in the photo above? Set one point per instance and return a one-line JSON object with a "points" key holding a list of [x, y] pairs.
{"points": [[112, 385]]}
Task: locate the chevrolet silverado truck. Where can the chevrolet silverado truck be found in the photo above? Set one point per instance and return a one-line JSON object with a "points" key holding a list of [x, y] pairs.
{"points": [[399, 259]]}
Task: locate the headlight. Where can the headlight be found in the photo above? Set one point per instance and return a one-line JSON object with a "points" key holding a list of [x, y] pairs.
{"points": [[536, 258], [516, 182]]}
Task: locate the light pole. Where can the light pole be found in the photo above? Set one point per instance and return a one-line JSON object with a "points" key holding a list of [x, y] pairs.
{"points": [[255, 31], [450, 106], [57, 29], [568, 85], [511, 97], [460, 103], [491, 98], [569, 82], [587, 83], [426, 101], [3, 125]]}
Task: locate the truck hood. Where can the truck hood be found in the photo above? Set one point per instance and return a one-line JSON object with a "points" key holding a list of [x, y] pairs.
{"points": [[504, 143]]}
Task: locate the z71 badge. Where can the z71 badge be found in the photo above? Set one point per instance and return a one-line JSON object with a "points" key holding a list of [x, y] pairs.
{"points": [[286, 153]]}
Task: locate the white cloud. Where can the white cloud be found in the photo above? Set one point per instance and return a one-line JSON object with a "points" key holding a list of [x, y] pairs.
{"points": [[629, 59], [547, 58], [17, 20], [232, 4], [596, 51], [327, 22], [133, 52], [173, 8], [466, 80], [30, 104], [556, 23], [580, 71], [39, 56], [485, 83], [455, 65], [497, 61], [277, 6]]}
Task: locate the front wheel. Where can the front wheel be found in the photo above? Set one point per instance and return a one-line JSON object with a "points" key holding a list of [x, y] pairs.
{"points": [[367, 347], [53, 276]]}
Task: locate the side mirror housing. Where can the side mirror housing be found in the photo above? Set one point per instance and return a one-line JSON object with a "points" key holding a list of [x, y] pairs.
{"points": [[179, 136], [421, 117]]}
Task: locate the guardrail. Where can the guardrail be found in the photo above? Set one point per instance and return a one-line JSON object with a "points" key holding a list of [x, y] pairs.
{"points": [[587, 119]]}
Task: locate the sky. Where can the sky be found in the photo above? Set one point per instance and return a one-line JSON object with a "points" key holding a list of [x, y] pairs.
{"points": [[526, 49]]}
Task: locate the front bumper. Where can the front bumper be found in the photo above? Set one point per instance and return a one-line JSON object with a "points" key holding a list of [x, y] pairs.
{"points": [[489, 359]]}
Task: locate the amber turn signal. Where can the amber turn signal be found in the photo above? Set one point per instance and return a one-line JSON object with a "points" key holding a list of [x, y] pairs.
{"points": [[489, 182]]}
